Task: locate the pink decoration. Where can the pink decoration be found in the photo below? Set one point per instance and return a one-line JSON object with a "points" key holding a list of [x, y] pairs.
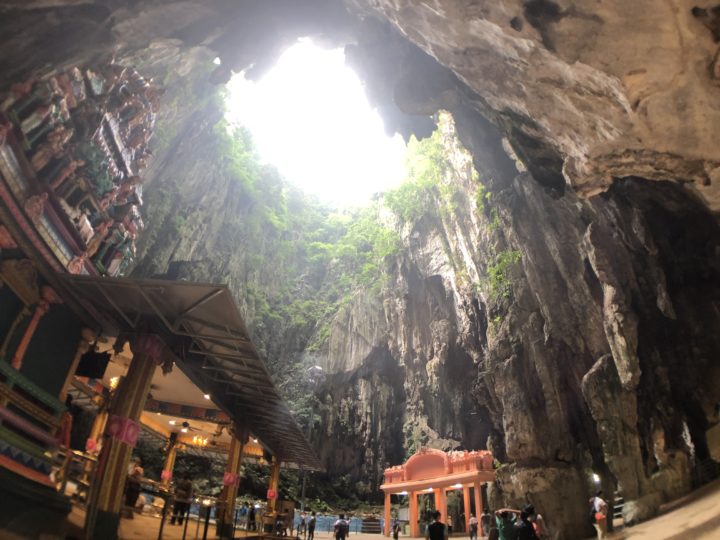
{"points": [[271, 494], [165, 476], [148, 344], [231, 479], [90, 445], [123, 429]]}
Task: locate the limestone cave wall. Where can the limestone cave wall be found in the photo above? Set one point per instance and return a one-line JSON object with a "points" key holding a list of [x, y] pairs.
{"points": [[564, 314]]}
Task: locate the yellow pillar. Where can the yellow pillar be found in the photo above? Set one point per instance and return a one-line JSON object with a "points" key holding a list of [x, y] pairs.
{"points": [[86, 337], [388, 517], [170, 455], [95, 433], [274, 486], [103, 516], [413, 514], [229, 493], [478, 506], [466, 506]]}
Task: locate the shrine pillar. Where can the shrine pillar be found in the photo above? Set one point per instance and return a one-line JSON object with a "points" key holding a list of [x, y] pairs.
{"points": [[467, 507], [441, 503], [388, 516], [478, 506], [413, 514], [47, 297], [274, 486], [231, 481], [106, 497]]}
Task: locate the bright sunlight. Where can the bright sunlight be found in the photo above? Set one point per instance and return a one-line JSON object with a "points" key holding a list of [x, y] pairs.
{"points": [[310, 118]]}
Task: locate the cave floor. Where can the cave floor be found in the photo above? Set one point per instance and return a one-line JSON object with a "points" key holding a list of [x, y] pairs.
{"points": [[695, 516]]}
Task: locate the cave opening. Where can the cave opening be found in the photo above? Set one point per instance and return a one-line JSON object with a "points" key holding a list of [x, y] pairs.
{"points": [[310, 117]]}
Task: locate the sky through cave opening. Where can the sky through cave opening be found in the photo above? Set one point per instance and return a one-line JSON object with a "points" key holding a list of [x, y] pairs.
{"points": [[309, 117]]}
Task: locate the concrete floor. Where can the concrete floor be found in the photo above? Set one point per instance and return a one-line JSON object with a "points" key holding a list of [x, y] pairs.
{"points": [[695, 517]]}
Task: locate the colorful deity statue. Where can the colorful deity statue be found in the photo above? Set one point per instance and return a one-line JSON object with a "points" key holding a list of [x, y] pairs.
{"points": [[66, 172]]}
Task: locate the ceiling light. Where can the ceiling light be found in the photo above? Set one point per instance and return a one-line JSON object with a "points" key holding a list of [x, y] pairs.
{"points": [[184, 430], [172, 422], [206, 396], [457, 486], [255, 441]]}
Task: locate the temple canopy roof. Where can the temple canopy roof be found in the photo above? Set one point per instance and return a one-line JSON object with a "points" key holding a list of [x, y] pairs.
{"points": [[209, 342]]}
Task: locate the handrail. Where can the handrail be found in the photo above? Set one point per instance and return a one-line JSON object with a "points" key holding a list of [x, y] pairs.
{"points": [[30, 387]]}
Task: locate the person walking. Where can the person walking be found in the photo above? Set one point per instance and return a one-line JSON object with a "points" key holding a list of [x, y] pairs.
{"points": [[396, 530], [341, 528], [243, 513], [134, 483], [437, 529], [183, 496], [311, 527], [598, 514], [486, 522], [251, 519], [473, 527]]}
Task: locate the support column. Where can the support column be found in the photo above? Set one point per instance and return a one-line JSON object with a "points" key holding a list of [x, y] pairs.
{"points": [[48, 297], [106, 500], [467, 508], [91, 444], [170, 455], [388, 516], [414, 525], [230, 489], [478, 506], [86, 338], [443, 504], [274, 486]]}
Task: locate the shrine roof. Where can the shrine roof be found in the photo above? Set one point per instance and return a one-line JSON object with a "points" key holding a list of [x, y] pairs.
{"points": [[202, 327]]}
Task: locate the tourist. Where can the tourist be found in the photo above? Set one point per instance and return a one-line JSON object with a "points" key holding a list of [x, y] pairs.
{"points": [[341, 527], [523, 528], [302, 525], [486, 522], [243, 513], [598, 514], [449, 523], [183, 498], [134, 482], [251, 519], [437, 529], [281, 523], [396, 530], [504, 521], [311, 526], [473, 527], [540, 528]]}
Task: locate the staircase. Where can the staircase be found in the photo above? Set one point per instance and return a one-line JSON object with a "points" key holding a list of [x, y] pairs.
{"points": [[371, 526]]}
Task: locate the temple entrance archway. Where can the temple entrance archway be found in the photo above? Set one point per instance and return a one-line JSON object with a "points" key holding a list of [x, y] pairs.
{"points": [[429, 476]]}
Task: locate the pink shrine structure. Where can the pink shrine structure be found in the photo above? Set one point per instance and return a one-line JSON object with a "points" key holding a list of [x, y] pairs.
{"points": [[437, 472]]}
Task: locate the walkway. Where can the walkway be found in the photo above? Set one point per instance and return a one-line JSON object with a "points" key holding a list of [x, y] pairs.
{"points": [[696, 517]]}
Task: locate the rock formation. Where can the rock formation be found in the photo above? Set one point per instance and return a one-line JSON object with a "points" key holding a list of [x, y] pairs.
{"points": [[559, 307]]}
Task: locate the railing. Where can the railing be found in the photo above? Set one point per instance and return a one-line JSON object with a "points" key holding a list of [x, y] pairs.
{"points": [[705, 471]]}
